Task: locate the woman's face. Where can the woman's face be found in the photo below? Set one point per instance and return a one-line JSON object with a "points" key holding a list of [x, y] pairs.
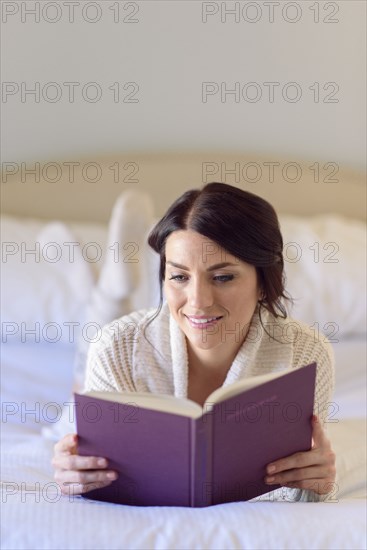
{"points": [[211, 294]]}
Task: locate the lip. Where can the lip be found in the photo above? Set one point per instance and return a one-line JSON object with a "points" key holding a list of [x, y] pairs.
{"points": [[201, 326]]}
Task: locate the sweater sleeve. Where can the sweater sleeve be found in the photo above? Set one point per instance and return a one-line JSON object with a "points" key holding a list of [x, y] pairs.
{"points": [[110, 359], [307, 350]]}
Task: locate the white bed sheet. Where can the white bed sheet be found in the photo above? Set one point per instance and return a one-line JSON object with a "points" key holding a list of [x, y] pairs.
{"points": [[35, 515]]}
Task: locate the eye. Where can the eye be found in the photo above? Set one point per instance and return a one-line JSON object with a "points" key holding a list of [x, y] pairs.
{"points": [[223, 278], [178, 278]]}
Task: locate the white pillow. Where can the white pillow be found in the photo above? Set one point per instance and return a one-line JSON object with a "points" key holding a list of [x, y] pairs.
{"points": [[44, 292], [325, 265]]}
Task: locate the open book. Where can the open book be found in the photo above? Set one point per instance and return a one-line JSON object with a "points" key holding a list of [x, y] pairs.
{"points": [[173, 452]]}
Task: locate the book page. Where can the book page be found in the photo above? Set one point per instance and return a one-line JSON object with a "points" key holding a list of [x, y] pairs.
{"points": [[152, 401], [223, 393], [186, 407]]}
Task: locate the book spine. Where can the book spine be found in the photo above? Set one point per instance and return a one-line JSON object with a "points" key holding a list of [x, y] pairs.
{"points": [[201, 481]]}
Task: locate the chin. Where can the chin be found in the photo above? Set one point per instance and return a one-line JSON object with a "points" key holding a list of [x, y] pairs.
{"points": [[200, 343]]}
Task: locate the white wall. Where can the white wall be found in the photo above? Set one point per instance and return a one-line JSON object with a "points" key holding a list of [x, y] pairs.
{"points": [[169, 52]]}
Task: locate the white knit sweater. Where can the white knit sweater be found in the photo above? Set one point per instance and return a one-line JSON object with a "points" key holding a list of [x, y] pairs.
{"points": [[124, 360]]}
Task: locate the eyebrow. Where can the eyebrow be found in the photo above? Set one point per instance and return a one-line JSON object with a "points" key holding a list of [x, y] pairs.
{"points": [[211, 268]]}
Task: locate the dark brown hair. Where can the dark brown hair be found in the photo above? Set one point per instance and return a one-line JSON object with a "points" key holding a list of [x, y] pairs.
{"points": [[242, 223]]}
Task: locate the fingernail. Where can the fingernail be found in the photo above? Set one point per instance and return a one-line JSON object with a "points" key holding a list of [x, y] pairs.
{"points": [[271, 469], [102, 462], [111, 475], [269, 479]]}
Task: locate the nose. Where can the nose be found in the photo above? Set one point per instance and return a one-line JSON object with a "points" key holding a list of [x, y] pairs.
{"points": [[200, 294]]}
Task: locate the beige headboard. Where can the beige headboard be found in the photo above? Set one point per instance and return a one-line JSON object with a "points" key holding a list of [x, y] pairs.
{"points": [[85, 189]]}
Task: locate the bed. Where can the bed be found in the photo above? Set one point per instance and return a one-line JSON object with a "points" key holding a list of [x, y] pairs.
{"points": [[38, 364]]}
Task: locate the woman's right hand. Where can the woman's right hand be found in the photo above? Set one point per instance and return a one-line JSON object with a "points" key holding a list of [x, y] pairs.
{"points": [[79, 474]]}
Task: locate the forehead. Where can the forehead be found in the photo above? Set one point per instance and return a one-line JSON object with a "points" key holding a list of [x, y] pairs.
{"points": [[190, 244]]}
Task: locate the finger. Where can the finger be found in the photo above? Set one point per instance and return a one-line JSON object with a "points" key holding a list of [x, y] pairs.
{"points": [[313, 472], [67, 443], [297, 460], [83, 477], [78, 488], [77, 462]]}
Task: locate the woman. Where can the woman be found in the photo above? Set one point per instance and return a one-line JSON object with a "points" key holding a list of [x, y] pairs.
{"points": [[221, 268]]}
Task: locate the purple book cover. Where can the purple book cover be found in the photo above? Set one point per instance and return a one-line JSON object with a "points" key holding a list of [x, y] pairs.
{"points": [[166, 459], [255, 428]]}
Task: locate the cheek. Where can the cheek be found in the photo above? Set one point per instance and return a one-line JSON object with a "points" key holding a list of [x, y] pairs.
{"points": [[245, 297], [173, 295]]}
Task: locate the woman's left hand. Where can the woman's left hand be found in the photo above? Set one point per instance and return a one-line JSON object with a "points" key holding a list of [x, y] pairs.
{"points": [[314, 469]]}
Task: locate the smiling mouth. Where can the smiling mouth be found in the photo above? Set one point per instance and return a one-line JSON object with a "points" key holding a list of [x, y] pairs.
{"points": [[203, 321]]}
